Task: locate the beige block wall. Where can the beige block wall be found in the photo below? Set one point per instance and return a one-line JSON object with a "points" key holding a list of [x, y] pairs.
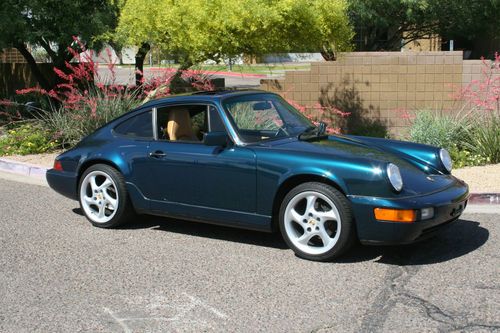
{"points": [[382, 84]]}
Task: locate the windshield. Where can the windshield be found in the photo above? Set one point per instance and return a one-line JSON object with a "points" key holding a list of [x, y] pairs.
{"points": [[262, 117]]}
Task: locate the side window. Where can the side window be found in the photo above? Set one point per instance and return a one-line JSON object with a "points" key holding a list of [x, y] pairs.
{"points": [[187, 122], [140, 126]]}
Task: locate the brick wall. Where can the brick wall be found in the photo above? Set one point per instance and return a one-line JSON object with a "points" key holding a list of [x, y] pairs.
{"points": [[381, 84]]}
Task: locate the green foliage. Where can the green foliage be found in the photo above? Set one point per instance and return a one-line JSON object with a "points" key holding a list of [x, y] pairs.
{"points": [[41, 22], [27, 138], [196, 30], [465, 19], [438, 130], [52, 25], [71, 124], [463, 158], [384, 23], [484, 138], [470, 141]]}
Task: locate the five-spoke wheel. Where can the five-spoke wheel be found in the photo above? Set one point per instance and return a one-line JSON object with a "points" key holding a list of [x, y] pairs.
{"points": [[316, 222], [103, 196]]}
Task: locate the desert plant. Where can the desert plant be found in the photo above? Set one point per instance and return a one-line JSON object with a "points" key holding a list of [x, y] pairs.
{"points": [[437, 129], [483, 95], [484, 138]]}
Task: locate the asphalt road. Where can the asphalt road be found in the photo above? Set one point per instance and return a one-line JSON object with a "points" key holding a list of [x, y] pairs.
{"points": [[60, 274]]}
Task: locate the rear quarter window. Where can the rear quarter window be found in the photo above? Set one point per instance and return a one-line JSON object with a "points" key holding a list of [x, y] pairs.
{"points": [[139, 127]]}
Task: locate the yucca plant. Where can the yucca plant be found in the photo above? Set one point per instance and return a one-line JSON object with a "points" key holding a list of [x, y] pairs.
{"points": [[484, 138], [437, 129]]}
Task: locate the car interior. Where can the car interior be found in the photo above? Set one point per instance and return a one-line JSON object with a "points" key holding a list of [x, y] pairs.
{"points": [[187, 123], [182, 123]]}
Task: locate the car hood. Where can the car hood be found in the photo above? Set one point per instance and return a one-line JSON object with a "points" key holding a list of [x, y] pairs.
{"points": [[418, 177]]}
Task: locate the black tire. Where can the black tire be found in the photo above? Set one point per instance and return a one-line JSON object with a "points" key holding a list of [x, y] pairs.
{"points": [[342, 242], [123, 213]]}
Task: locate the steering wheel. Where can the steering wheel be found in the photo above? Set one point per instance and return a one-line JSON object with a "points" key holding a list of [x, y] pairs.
{"points": [[281, 129]]}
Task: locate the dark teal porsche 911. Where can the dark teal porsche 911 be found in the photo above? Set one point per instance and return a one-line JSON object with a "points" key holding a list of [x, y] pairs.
{"points": [[248, 159]]}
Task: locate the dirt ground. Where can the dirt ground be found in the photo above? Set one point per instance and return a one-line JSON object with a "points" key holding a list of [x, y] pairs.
{"points": [[481, 179]]}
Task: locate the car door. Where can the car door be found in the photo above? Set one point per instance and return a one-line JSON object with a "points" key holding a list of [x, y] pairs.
{"points": [[190, 177]]}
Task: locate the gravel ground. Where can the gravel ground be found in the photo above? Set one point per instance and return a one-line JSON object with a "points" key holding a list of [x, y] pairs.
{"points": [[481, 179]]}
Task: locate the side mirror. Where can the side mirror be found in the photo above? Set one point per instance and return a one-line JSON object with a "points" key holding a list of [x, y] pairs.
{"points": [[321, 128], [219, 139]]}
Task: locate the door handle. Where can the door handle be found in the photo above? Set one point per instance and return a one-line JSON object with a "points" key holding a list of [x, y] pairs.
{"points": [[157, 154]]}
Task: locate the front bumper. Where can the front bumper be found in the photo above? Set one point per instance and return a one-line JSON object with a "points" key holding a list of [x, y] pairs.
{"points": [[63, 182], [448, 205]]}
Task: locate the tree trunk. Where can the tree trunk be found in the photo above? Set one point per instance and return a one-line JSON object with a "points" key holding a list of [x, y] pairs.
{"points": [[139, 63], [177, 84], [42, 80], [118, 50]]}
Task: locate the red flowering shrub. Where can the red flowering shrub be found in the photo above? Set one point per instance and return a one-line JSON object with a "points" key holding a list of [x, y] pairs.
{"points": [[330, 115], [483, 94], [83, 101]]}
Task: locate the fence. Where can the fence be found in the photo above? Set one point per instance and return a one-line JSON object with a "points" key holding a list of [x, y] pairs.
{"points": [[15, 76]]}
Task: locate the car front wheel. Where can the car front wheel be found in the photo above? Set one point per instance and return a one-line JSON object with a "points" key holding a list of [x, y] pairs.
{"points": [[316, 222], [103, 197]]}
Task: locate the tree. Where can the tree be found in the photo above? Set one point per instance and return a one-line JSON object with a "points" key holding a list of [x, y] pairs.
{"points": [[474, 24], [193, 31], [381, 24], [52, 24], [390, 24]]}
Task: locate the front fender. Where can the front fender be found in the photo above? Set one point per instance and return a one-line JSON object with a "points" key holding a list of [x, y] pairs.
{"points": [[312, 171], [423, 156]]}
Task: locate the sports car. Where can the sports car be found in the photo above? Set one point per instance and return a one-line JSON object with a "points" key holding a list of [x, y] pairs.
{"points": [[248, 159]]}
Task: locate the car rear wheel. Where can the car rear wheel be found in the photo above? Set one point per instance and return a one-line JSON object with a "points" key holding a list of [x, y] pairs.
{"points": [[103, 197], [316, 222]]}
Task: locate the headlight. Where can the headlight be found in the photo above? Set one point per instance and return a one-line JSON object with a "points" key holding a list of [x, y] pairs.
{"points": [[445, 159], [394, 176]]}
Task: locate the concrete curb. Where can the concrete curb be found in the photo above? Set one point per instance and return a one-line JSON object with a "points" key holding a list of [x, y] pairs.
{"points": [[21, 168], [38, 171], [484, 199]]}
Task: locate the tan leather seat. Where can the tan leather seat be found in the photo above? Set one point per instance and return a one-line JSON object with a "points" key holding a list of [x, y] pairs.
{"points": [[179, 126]]}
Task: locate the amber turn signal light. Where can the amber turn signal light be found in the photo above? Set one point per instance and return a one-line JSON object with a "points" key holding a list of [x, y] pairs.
{"points": [[57, 165], [395, 215]]}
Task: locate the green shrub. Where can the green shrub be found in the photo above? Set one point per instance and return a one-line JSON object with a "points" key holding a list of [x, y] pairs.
{"points": [[439, 130], [71, 122], [462, 158], [27, 138], [470, 141], [484, 138]]}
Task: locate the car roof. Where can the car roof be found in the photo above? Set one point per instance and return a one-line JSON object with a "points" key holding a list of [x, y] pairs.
{"points": [[199, 96]]}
